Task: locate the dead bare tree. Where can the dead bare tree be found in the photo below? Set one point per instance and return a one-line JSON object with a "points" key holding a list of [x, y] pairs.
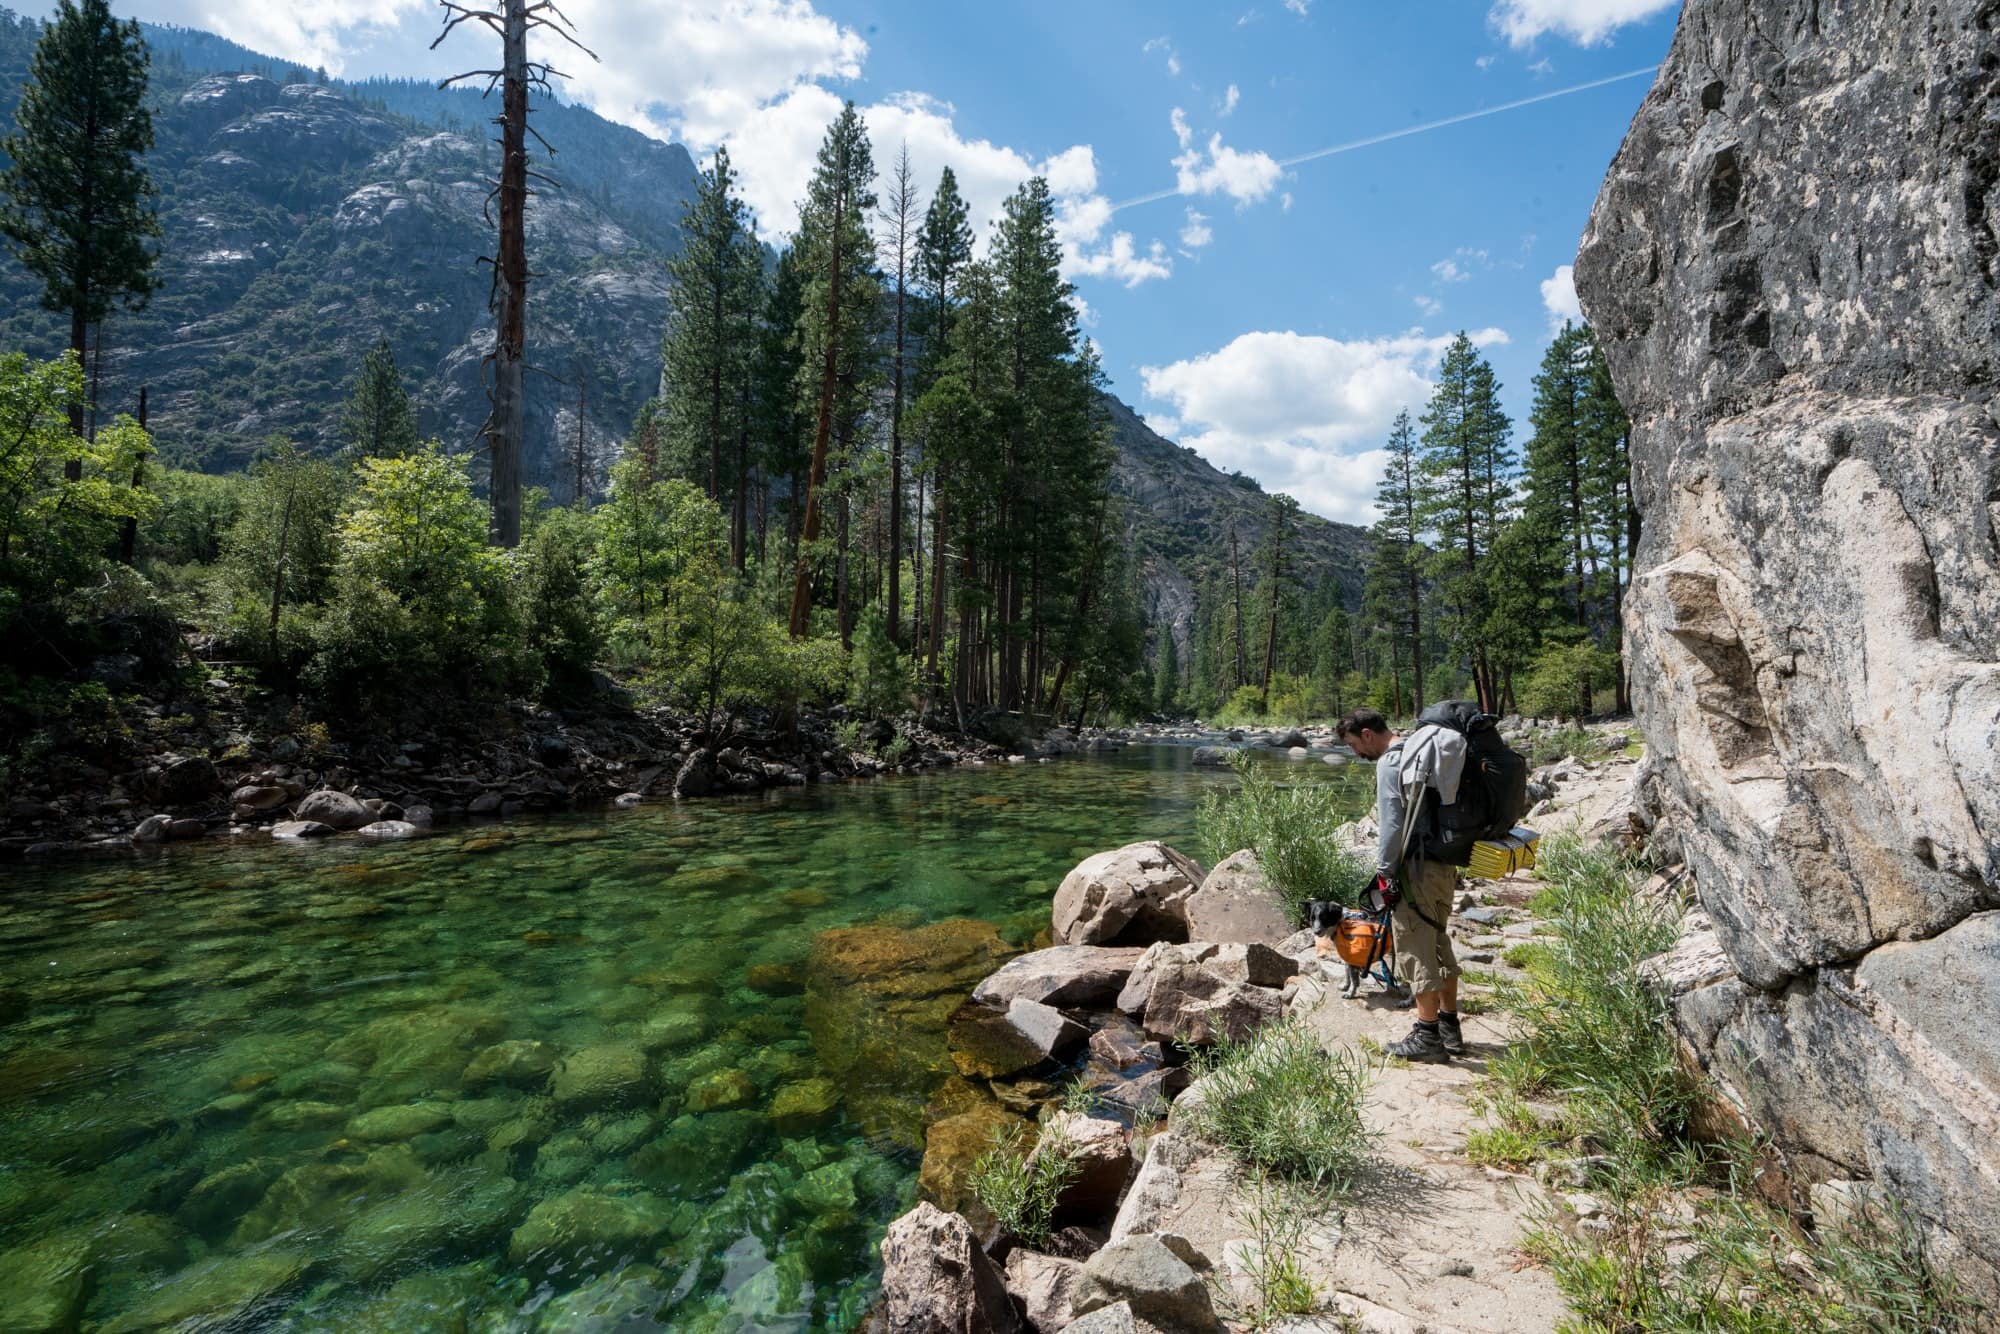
{"points": [[507, 390]]}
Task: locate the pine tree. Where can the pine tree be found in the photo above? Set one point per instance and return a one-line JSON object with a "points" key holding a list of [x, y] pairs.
{"points": [[944, 248], [1397, 535], [1613, 514], [781, 426], [376, 422], [840, 300], [706, 352], [1558, 459], [898, 220], [1277, 542], [79, 206], [1467, 469], [1167, 676]]}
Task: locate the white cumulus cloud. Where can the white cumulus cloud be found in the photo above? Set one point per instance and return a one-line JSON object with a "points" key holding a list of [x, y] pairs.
{"points": [[1586, 22], [316, 35], [1197, 233], [1298, 7], [1429, 305], [1178, 119], [1301, 413], [1559, 296], [1230, 100], [1244, 177]]}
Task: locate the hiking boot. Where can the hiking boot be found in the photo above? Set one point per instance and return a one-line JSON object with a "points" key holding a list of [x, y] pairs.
{"points": [[1423, 1045], [1450, 1035]]}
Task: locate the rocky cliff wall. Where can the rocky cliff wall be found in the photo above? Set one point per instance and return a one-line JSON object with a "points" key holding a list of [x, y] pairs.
{"points": [[1793, 266]]}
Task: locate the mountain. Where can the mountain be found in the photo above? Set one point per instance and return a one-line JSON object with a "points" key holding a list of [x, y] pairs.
{"points": [[305, 219], [1179, 509]]}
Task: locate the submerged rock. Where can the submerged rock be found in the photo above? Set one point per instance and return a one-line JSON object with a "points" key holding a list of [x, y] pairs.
{"points": [[606, 1074], [877, 1001], [215, 1294], [590, 1227], [522, 1062]]}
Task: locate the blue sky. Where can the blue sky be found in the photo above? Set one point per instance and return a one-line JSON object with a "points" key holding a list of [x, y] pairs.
{"points": [[1273, 317]]}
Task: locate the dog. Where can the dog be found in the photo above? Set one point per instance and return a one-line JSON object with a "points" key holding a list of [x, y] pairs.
{"points": [[1324, 917]]}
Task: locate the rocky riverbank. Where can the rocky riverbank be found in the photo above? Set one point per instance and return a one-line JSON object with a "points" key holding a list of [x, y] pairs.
{"points": [[1083, 1043], [230, 766]]}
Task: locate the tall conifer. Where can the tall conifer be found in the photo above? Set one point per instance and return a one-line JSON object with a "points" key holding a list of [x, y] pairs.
{"points": [[79, 207]]}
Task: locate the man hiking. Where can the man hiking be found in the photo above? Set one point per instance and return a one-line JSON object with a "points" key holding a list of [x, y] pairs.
{"points": [[1422, 895]]}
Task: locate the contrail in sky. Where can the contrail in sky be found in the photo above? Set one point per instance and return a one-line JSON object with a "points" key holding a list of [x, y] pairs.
{"points": [[1407, 131]]}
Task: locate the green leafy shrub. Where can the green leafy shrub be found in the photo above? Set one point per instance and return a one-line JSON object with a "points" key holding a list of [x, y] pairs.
{"points": [[1563, 679], [1283, 1104], [1290, 827], [880, 680], [1021, 1186]]}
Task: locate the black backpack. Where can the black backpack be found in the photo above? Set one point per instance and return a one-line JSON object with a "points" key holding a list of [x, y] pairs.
{"points": [[1492, 793]]}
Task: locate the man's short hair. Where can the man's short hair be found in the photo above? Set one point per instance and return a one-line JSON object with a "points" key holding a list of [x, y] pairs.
{"points": [[1361, 720]]}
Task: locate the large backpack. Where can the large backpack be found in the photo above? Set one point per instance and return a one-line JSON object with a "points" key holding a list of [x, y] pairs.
{"points": [[1492, 793]]}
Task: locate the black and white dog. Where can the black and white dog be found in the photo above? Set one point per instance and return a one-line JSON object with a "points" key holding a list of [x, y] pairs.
{"points": [[1324, 917]]}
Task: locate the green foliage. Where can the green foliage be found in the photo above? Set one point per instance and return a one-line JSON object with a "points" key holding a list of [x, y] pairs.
{"points": [[719, 652], [1738, 1266], [1278, 1216], [1020, 1187], [1564, 680], [53, 530], [880, 682], [717, 292], [78, 204], [376, 421], [1285, 1105], [419, 598], [1290, 827], [279, 554], [655, 535], [197, 511], [552, 568], [1596, 1033]]}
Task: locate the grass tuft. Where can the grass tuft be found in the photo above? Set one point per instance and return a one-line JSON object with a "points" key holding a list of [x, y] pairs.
{"points": [[1686, 1243], [1283, 1104], [1021, 1186]]}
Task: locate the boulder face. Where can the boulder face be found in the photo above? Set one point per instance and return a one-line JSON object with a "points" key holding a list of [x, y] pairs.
{"points": [[1794, 271], [1133, 895]]}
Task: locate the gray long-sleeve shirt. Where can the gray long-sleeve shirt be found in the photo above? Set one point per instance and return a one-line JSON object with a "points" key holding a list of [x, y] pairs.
{"points": [[1389, 810]]}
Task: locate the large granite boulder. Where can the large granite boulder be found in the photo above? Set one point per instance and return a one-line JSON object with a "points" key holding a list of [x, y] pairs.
{"points": [[1794, 271], [937, 1280], [1236, 903], [1132, 895]]}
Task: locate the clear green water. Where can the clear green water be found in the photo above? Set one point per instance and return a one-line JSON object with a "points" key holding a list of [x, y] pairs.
{"points": [[294, 1087]]}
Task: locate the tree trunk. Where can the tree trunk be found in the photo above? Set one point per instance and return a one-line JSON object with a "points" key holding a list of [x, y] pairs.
{"points": [[128, 537], [801, 621], [507, 424], [841, 616]]}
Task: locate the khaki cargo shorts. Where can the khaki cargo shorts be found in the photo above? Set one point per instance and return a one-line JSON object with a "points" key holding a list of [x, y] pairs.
{"points": [[1424, 957]]}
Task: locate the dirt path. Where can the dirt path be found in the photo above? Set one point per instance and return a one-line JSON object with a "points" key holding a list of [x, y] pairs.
{"points": [[1430, 1243]]}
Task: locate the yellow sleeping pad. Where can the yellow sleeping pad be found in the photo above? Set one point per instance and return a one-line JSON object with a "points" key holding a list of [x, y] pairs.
{"points": [[1495, 858]]}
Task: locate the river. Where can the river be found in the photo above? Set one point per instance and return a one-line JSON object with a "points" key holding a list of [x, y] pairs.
{"points": [[551, 1076]]}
